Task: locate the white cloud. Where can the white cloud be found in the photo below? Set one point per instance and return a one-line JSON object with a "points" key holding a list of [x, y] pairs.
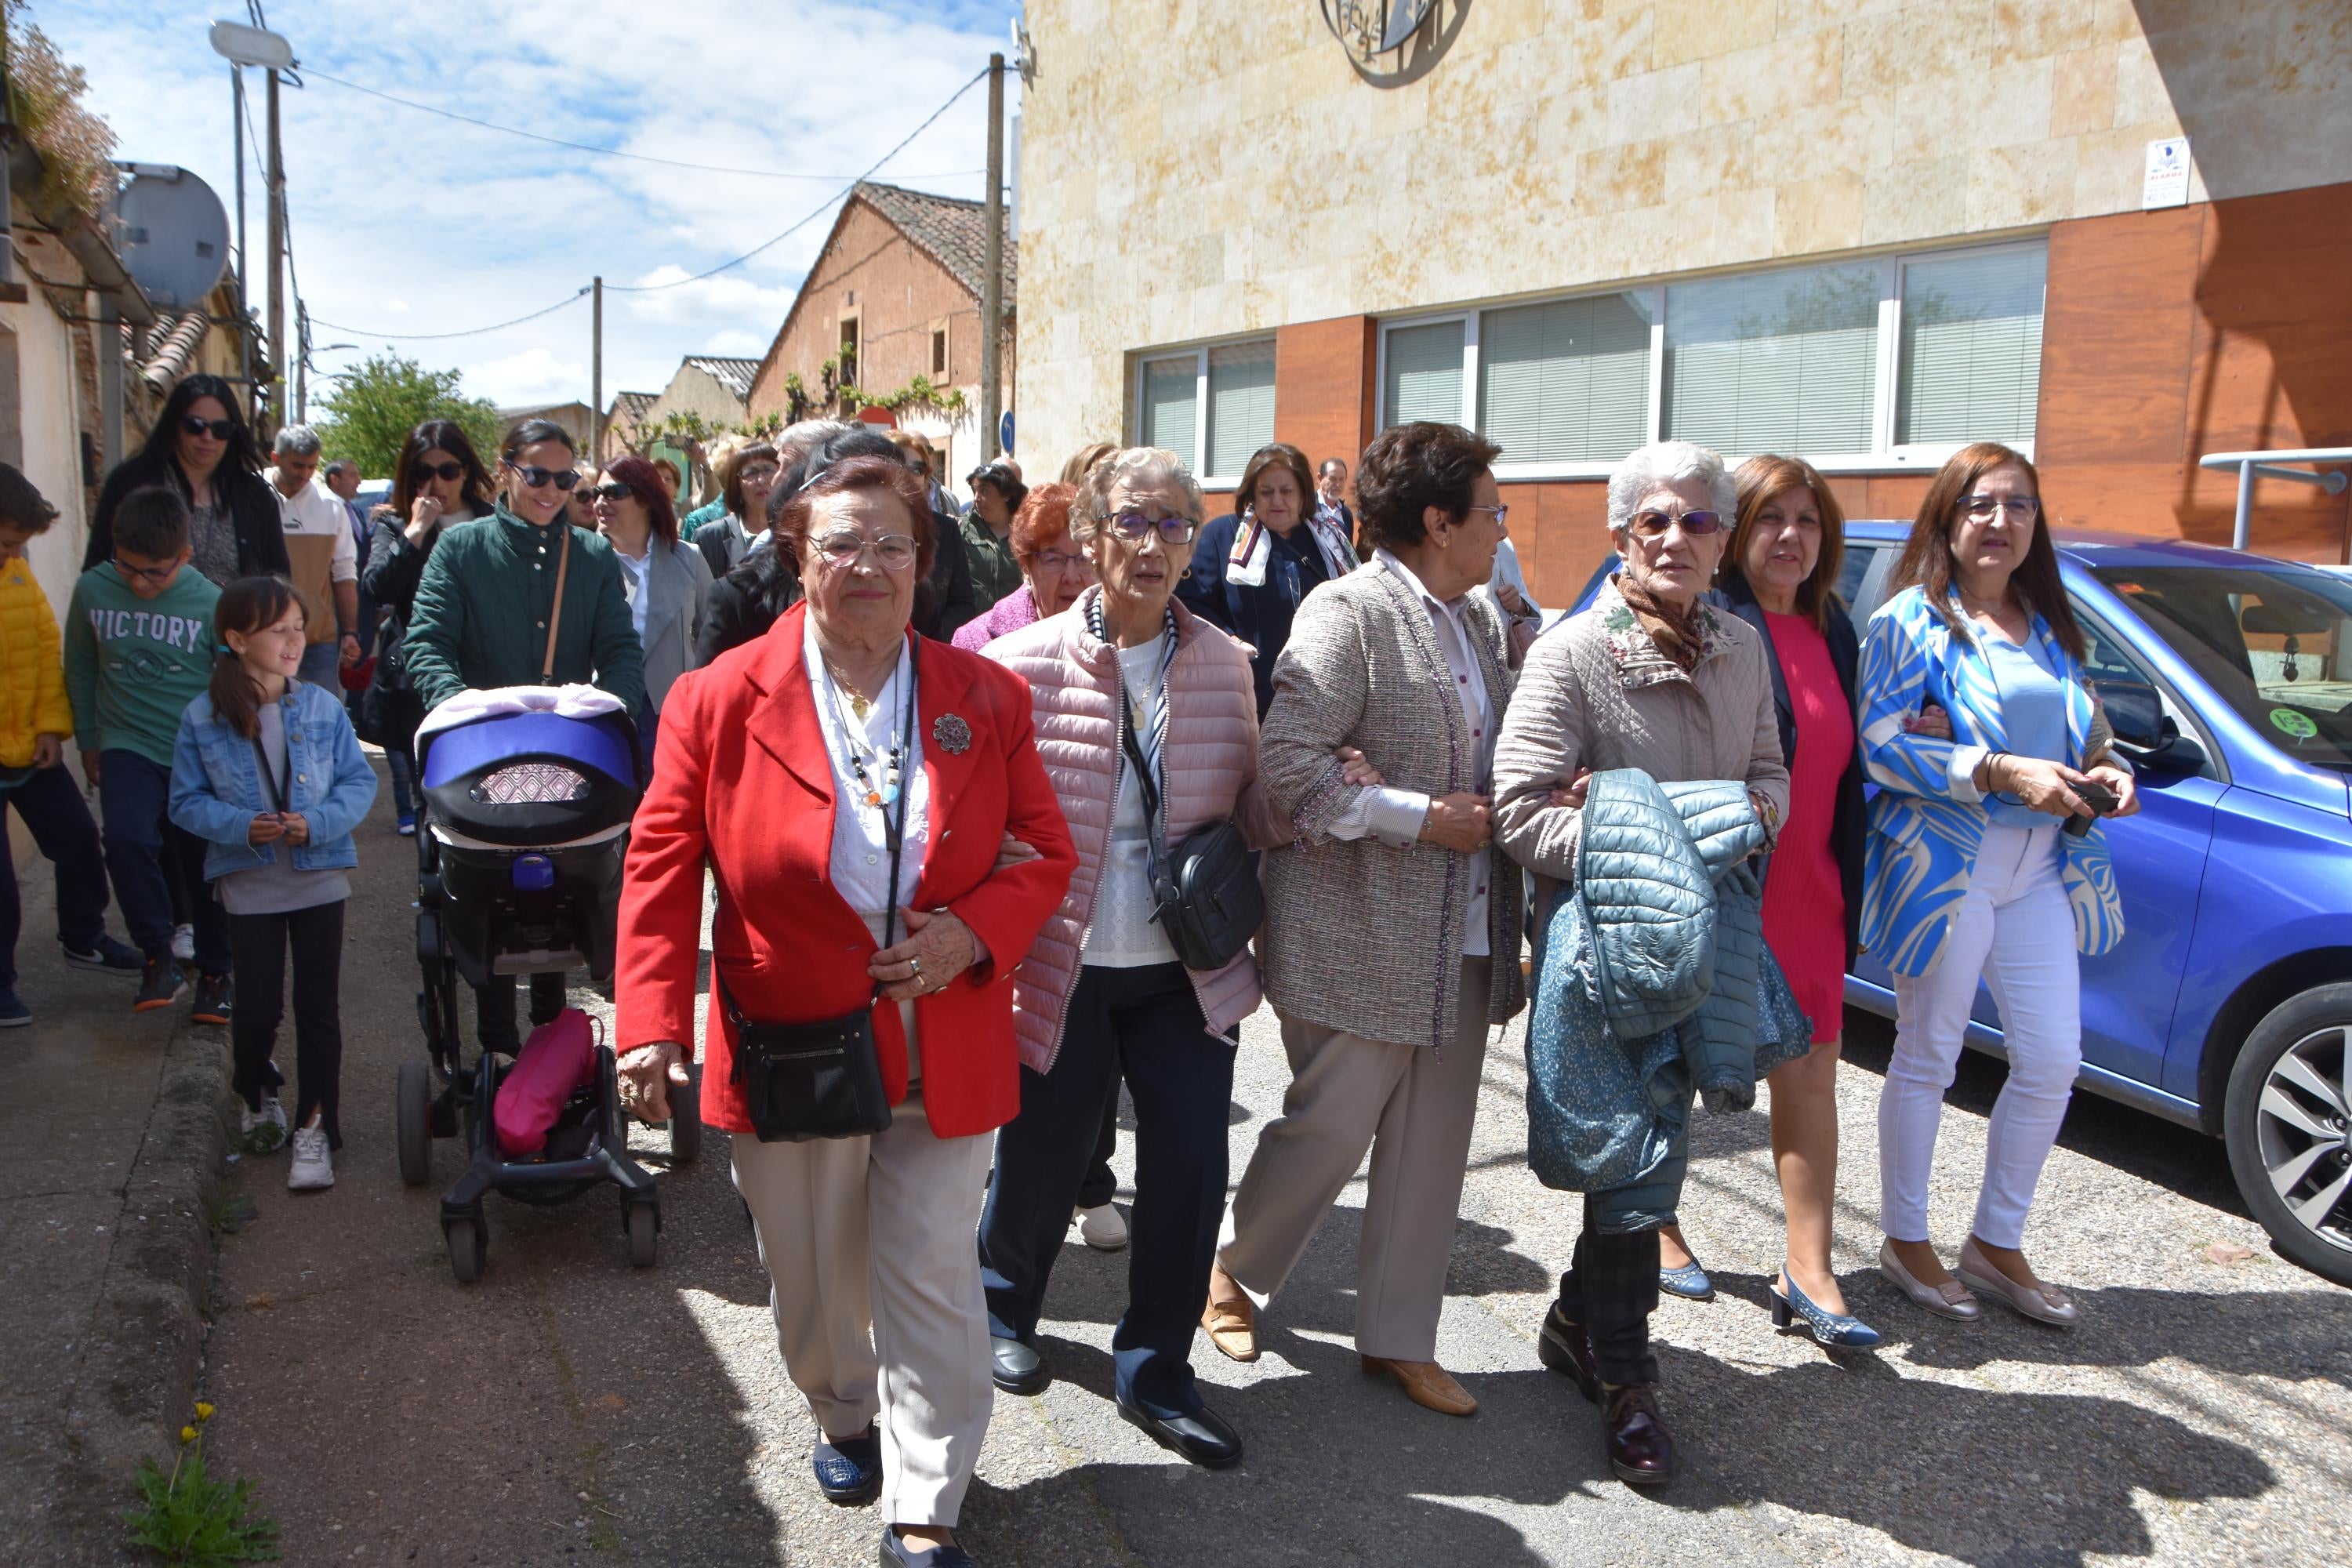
{"points": [[534, 376]]}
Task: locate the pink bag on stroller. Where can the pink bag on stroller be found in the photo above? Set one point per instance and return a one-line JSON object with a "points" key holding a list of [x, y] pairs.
{"points": [[559, 1058]]}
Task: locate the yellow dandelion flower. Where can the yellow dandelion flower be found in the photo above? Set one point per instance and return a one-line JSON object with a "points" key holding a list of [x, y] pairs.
{"points": [[204, 1411], [188, 1434]]}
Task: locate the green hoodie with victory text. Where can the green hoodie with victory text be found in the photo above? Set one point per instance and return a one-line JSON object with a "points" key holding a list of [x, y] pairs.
{"points": [[134, 665]]}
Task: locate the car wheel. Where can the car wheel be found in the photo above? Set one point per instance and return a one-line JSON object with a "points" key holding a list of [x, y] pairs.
{"points": [[2289, 1128]]}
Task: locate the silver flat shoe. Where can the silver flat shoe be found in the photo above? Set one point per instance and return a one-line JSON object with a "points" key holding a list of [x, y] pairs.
{"points": [[1950, 1299], [2044, 1303]]}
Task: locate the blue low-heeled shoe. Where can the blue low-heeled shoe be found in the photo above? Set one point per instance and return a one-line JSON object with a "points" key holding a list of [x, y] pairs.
{"points": [[1690, 1282], [1838, 1331], [848, 1472]]}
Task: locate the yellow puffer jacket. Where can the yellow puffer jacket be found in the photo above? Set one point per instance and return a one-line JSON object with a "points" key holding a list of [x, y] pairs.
{"points": [[32, 668]]}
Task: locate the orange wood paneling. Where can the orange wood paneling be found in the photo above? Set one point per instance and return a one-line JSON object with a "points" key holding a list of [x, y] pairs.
{"points": [[1562, 532], [1323, 387]]}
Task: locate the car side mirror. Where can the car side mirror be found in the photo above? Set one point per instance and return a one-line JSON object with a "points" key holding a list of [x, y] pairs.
{"points": [[2134, 712]]}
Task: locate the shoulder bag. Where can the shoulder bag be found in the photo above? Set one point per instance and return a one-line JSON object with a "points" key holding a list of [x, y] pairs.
{"points": [[1207, 895]]}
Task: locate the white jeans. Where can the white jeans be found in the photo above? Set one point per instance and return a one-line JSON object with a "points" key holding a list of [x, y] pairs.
{"points": [[2015, 929]]}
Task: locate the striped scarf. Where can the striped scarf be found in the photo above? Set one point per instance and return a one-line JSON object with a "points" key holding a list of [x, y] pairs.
{"points": [[1153, 734]]}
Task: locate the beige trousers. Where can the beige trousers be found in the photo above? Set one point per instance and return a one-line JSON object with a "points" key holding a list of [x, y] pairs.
{"points": [[1415, 1110], [876, 1292]]}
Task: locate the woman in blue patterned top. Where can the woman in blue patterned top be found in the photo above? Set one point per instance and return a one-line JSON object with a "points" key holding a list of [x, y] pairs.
{"points": [[1968, 868]]}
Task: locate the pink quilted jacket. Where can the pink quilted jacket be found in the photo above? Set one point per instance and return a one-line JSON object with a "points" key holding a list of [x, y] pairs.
{"points": [[1210, 765]]}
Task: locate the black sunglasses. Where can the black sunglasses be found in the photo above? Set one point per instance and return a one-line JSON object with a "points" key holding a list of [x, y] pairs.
{"points": [[219, 429], [452, 469], [533, 476], [612, 492]]}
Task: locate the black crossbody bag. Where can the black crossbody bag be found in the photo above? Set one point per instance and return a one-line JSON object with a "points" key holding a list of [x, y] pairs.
{"points": [[802, 1081], [1206, 894]]}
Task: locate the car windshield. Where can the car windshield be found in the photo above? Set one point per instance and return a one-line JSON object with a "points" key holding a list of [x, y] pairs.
{"points": [[2277, 644]]}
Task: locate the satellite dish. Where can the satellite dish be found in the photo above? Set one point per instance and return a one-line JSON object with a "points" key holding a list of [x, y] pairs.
{"points": [[175, 236]]}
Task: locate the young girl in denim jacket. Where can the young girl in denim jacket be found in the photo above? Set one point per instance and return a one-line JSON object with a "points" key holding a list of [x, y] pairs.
{"points": [[268, 773]]}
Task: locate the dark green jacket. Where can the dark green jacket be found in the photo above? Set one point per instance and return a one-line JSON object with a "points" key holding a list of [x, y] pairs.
{"points": [[481, 613], [994, 574]]}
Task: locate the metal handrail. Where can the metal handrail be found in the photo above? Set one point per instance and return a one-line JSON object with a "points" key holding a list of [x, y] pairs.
{"points": [[2266, 464]]}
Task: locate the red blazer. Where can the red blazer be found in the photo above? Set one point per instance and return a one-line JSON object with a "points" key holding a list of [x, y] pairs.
{"points": [[741, 781]]}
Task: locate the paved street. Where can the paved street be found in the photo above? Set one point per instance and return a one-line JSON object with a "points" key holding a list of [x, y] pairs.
{"points": [[569, 1408]]}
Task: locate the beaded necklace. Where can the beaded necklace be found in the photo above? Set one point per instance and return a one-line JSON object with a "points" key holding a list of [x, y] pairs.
{"points": [[864, 760]]}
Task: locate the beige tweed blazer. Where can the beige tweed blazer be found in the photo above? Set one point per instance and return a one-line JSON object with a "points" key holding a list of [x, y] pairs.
{"points": [[1360, 936]]}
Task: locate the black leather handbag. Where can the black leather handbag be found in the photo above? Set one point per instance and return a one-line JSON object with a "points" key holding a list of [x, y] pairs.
{"points": [[1207, 894], [824, 1080]]}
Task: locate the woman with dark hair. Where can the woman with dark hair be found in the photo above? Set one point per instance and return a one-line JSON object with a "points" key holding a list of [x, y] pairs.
{"points": [[1252, 566], [667, 584], [747, 474], [201, 448], [1968, 869], [440, 481], [986, 527]]}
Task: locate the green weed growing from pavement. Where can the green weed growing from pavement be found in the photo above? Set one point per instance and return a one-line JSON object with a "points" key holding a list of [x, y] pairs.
{"points": [[191, 1520]]}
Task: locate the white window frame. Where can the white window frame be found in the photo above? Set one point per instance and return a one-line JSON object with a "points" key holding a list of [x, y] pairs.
{"points": [[1199, 354], [1884, 456]]}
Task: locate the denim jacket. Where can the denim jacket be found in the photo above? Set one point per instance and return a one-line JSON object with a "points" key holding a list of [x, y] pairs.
{"points": [[216, 789]]}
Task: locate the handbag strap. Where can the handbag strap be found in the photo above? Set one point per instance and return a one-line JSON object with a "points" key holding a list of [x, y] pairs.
{"points": [[555, 616], [1163, 886]]}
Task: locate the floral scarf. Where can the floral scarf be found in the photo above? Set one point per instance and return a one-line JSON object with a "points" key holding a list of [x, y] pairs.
{"points": [[1680, 633]]}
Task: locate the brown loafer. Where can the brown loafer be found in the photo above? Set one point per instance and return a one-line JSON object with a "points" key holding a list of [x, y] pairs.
{"points": [[1639, 1449], [1230, 1318], [1426, 1384]]}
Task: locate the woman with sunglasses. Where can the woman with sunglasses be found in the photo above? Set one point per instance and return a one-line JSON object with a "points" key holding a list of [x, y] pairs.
{"points": [[666, 582], [440, 482], [1985, 857], [202, 448], [521, 599]]}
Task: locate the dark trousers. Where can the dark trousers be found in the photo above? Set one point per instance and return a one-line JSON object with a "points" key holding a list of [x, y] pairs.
{"points": [[1146, 1024], [494, 1006], [146, 856], [258, 943], [51, 806], [1100, 1186], [1611, 1288]]}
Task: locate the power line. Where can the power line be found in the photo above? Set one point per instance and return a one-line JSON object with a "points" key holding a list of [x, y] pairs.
{"points": [[603, 151], [443, 337]]}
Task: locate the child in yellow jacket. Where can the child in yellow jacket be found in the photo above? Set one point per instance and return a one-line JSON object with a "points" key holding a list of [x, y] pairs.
{"points": [[35, 719]]}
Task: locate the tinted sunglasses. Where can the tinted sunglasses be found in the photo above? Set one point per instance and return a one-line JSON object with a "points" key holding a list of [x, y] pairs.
{"points": [[614, 491], [533, 476], [1654, 524], [218, 429], [451, 471]]}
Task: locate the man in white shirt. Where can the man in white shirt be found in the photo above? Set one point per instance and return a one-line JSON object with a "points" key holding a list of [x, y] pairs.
{"points": [[319, 548]]}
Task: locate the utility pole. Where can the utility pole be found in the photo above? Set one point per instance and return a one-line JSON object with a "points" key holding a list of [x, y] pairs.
{"points": [[596, 379], [301, 363], [244, 305], [992, 285], [277, 265]]}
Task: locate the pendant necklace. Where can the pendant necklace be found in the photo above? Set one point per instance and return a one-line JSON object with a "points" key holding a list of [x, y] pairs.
{"points": [[885, 793]]}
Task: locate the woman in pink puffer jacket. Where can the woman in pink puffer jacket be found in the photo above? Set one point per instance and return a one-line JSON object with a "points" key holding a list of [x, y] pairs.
{"points": [[1100, 995]]}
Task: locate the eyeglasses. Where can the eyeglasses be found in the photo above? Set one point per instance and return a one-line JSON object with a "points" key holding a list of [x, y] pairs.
{"points": [[533, 476], [1060, 560], [1654, 524], [614, 491], [1134, 523], [757, 476], [1979, 509], [218, 429], [451, 471], [144, 574], [1502, 516], [842, 546]]}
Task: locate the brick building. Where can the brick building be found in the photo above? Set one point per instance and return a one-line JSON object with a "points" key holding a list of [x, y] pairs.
{"points": [[895, 295]]}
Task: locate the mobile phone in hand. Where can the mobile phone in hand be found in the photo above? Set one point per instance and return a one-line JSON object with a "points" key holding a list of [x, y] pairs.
{"points": [[2098, 797]]}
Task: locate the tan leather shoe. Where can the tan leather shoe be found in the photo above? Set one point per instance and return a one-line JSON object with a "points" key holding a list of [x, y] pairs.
{"points": [[1426, 1384], [1231, 1320]]}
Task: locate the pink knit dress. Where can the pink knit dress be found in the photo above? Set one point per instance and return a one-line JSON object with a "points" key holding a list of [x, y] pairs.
{"points": [[1804, 895]]}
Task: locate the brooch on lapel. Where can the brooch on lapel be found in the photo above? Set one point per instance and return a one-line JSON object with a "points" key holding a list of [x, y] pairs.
{"points": [[953, 734]]}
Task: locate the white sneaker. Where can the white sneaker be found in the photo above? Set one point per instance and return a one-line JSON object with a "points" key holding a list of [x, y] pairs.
{"points": [[183, 943], [264, 1130], [313, 1167], [1102, 1227]]}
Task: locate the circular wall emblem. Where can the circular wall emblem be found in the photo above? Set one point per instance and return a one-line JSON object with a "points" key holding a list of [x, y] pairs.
{"points": [[1393, 42]]}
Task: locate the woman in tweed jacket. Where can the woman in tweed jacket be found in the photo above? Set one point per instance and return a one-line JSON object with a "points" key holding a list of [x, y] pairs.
{"points": [[1391, 939]]}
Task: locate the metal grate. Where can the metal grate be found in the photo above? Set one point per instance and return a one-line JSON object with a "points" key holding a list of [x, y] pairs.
{"points": [[531, 784]]}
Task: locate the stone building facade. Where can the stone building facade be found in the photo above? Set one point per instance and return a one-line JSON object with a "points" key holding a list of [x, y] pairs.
{"points": [[1866, 229]]}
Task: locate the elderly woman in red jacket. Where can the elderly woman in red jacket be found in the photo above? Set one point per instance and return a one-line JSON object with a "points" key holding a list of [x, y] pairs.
{"points": [[801, 768]]}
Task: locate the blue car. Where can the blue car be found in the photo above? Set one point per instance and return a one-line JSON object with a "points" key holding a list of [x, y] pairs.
{"points": [[2228, 679]]}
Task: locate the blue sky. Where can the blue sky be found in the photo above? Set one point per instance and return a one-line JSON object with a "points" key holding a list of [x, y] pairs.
{"points": [[404, 222]]}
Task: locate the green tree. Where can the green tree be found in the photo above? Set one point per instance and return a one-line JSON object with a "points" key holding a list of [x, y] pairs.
{"points": [[368, 413]]}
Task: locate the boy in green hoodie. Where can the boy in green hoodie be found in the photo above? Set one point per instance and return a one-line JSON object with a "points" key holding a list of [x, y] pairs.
{"points": [[138, 649]]}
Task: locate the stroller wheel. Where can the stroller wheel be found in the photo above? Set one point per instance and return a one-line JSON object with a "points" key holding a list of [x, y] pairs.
{"points": [[684, 1123], [466, 1247], [413, 1104], [644, 1224]]}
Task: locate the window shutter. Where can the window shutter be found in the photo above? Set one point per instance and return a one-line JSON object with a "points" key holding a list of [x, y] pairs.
{"points": [[1171, 396], [1971, 344], [1778, 361], [1424, 375], [1240, 405], [1564, 382]]}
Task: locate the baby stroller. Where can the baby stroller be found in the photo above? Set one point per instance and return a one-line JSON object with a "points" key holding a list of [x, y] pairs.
{"points": [[528, 791]]}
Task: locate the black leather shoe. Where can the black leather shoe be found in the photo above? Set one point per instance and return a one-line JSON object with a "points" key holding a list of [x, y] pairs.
{"points": [[1564, 1347], [1639, 1448], [1018, 1368], [1202, 1437], [848, 1472]]}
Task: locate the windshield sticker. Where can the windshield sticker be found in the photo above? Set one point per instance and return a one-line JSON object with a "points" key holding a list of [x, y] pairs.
{"points": [[2286, 720]]}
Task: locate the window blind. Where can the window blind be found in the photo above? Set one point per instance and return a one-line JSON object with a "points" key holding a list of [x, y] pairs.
{"points": [[1240, 405], [1425, 374], [1778, 361], [1565, 382], [1971, 346], [1172, 404]]}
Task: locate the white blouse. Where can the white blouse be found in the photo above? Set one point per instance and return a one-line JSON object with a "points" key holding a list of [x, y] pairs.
{"points": [[861, 850]]}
